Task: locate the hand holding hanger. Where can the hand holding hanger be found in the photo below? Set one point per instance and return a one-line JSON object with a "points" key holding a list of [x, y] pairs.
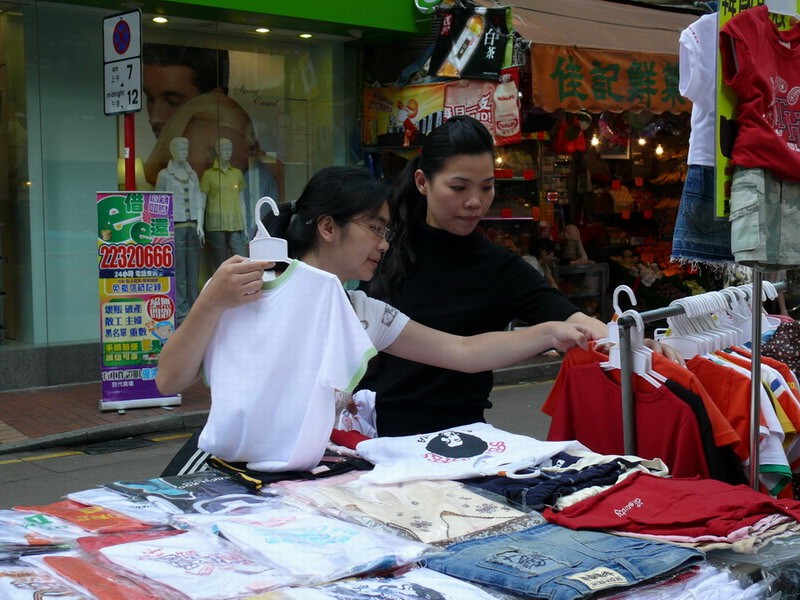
{"points": [[604, 345]]}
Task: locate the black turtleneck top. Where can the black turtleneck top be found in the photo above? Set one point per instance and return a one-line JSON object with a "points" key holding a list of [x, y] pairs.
{"points": [[463, 285]]}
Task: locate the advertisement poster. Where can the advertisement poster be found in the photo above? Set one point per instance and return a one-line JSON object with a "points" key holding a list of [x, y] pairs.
{"points": [[472, 43], [401, 116], [495, 104], [136, 265]]}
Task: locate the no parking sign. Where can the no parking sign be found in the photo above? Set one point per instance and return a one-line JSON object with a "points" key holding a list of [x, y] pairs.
{"points": [[122, 57]]}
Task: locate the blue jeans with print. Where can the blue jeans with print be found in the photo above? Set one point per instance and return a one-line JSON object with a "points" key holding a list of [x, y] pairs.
{"points": [[550, 561], [700, 237]]}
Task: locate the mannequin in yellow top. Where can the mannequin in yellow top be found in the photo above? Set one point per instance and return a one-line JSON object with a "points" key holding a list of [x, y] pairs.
{"points": [[223, 185]]}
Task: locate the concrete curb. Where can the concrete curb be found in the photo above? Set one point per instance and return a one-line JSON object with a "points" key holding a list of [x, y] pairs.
{"points": [[103, 433], [196, 419], [526, 372]]}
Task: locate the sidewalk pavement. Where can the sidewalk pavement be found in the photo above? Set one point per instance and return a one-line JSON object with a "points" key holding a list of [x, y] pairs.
{"points": [[70, 415]]}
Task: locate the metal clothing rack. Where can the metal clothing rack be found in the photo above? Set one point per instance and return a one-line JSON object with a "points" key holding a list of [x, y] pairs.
{"points": [[624, 324]]}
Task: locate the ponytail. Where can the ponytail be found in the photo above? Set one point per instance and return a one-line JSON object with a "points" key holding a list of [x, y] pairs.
{"points": [[338, 192]]}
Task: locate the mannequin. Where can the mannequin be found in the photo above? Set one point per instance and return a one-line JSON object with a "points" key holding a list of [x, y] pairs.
{"points": [[223, 185], [188, 210]]}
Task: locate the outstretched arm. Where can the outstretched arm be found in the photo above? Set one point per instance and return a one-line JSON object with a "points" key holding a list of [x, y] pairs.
{"points": [[486, 351], [236, 282]]}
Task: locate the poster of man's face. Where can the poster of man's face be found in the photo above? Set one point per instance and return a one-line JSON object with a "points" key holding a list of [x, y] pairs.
{"points": [[204, 94]]}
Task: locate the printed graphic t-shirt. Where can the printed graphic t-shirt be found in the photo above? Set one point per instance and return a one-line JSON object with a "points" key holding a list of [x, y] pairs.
{"points": [[762, 65], [457, 453]]}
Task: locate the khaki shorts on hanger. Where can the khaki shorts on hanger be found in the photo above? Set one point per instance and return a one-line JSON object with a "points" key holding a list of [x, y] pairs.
{"points": [[765, 219]]}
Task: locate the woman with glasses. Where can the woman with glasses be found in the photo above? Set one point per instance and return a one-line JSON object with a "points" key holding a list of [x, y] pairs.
{"points": [[340, 224]]}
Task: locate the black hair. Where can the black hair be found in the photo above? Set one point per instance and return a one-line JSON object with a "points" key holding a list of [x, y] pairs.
{"points": [[210, 67], [471, 445], [459, 135], [542, 244], [338, 192]]}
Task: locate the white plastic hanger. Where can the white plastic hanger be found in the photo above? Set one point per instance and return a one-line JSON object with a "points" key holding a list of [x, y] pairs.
{"points": [[731, 318], [755, 307], [613, 331], [642, 355], [685, 335], [265, 247], [768, 289]]}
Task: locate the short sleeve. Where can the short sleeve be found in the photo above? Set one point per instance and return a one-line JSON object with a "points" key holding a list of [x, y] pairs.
{"points": [[382, 322], [347, 349]]}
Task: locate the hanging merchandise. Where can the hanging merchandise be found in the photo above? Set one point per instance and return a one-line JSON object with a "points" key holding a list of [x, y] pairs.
{"points": [[495, 105], [759, 63], [472, 43]]}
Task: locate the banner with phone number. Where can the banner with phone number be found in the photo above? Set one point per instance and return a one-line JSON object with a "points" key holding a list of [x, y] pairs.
{"points": [[136, 263]]}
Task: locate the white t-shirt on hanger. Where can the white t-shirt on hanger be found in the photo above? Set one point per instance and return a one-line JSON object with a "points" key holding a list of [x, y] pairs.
{"points": [[273, 367], [698, 83]]}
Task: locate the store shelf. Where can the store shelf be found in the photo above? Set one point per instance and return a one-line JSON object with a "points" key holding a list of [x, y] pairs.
{"points": [[585, 286]]}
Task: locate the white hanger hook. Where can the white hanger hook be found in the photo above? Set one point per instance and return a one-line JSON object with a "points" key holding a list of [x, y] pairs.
{"points": [[636, 317], [769, 289], [627, 290], [262, 231]]}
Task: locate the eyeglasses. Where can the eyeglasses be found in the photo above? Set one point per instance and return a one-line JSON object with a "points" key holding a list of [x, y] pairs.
{"points": [[382, 231]]}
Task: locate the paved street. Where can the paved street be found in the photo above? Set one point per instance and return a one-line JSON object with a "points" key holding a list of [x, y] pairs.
{"points": [[45, 476]]}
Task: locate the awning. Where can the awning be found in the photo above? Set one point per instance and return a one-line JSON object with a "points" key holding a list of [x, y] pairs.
{"points": [[597, 55]]}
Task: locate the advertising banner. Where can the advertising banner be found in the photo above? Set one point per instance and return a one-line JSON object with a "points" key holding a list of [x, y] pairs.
{"points": [[495, 104], [472, 43], [573, 78], [401, 116], [136, 264]]}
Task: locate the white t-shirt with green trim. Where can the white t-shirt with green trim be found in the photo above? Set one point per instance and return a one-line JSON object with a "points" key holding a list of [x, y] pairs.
{"points": [[273, 366]]}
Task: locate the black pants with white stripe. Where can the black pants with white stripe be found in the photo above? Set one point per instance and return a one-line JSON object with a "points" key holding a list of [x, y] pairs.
{"points": [[189, 459]]}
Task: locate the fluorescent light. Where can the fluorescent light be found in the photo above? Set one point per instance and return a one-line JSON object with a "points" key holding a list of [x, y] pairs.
{"points": [[262, 30], [306, 36], [160, 20]]}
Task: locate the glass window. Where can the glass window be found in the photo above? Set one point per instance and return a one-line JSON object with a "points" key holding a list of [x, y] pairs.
{"points": [[229, 116]]}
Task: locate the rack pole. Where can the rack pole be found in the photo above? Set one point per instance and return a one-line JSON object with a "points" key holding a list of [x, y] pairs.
{"points": [[755, 379], [626, 374]]}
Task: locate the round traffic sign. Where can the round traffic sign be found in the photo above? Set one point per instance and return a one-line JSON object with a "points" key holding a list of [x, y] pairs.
{"points": [[122, 36]]}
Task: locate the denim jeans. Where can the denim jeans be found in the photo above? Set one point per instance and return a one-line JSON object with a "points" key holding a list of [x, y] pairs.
{"points": [[549, 561], [700, 237], [187, 267], [225, 244]]}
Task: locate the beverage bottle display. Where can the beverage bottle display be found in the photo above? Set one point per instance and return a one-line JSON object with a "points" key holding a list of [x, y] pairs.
{"points": [[464, 47], [506, 108]]}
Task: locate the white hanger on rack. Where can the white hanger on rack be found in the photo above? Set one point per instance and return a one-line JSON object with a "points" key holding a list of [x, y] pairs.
{"points": [[263, 246], [734, 314], [769, 292], [642, 356], [685, 333], [755, 306], [613, 332]]}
